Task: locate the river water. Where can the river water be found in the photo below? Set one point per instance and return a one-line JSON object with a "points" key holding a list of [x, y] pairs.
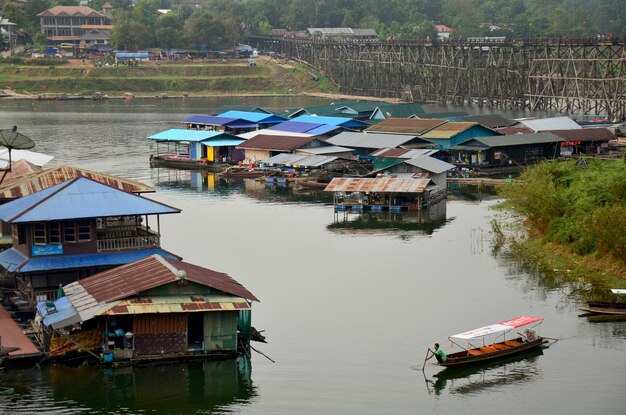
{"points": [[349, 305]]}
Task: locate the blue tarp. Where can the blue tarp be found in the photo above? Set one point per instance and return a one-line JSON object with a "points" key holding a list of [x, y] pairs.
{"points": [[59, 262], [131, 55], [79, 198]]}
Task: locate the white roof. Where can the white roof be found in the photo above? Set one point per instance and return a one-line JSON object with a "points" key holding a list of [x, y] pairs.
{"points": [[265, 131], [618, 291], [497, 328], [430, 164], [554, 123], [325, 150], [299, 160], [38, 159]]}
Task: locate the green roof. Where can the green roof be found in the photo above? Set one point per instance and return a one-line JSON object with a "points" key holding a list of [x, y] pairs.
{"points": [[401, 110]]}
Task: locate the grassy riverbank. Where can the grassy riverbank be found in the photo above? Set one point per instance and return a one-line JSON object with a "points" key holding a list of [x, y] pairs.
{"points": [[575, 221], [236, 77]]}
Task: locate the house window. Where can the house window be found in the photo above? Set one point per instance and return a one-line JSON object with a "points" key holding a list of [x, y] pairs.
{"points": [[19, 233], [54, 232], [84, 230], [69, 231], [40, 236]]}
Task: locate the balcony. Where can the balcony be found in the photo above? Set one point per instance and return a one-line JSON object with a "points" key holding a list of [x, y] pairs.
{"points": [[127, 238]]}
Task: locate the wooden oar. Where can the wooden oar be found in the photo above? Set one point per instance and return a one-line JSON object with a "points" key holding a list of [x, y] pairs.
{"points": [[425, 359]]}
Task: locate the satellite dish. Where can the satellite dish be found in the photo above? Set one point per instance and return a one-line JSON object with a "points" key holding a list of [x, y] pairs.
{"points": [[11, 139]]}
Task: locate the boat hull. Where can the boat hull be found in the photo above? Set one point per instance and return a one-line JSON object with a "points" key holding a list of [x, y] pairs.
{"points": [[475, 356], [187, 164]]}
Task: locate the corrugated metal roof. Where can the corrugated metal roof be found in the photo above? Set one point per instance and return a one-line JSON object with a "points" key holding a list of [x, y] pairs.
{"points": [[38, 159], [327, 150], [194, 136], [402, 153], [10, 259], [284, 158], [430, 164], [257, 117], [20, 169], [324, 129], [415, 126], [514, 130], [378, 184], [330, 31], [79, 198], [399, 110], [516, 139], [554, 123], [491, 120], [20, 186], [275, 142], [449, 129], [369, 140], [315, 161], [585, 134], [337, 121], [267, 131], [295, 126], [177, 304], [131, 279]]}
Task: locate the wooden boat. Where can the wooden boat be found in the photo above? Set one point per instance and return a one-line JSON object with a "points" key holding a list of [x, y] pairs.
{"points": [[243, 173], [501, 346], [184, 163], [607, 307]]}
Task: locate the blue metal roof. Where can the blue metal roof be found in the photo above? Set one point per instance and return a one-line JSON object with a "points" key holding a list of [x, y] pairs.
{"points": [[338, 121], [323, 129], [223, 143], [256, 117], [79, 198], [58, 262], [295, 127], [210, 120], [131, 55], [176, 134]]}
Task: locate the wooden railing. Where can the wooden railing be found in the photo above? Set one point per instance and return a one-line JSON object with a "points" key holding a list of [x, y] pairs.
{"points": [[136, 242], [28, 294]]}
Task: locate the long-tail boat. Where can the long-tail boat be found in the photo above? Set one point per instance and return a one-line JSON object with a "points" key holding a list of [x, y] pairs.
{"points": [[607, 307]]}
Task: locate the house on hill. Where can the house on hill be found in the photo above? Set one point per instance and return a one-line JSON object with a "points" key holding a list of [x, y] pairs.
{"points": [[75, 25]]}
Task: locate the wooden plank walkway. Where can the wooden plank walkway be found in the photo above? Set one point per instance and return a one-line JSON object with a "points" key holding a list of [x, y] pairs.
{"points": [[479, 181], [13, 336]]}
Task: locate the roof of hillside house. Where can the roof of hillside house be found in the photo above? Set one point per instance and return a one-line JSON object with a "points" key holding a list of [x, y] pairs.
{"points": [[369, 140], [23, 185], [71, 11], [415, 126], [554, 123], [491, 120], [79, 198], [275, 142]]}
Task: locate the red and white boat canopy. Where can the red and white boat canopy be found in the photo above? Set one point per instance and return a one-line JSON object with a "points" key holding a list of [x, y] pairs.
{"points": [[497, 328]]}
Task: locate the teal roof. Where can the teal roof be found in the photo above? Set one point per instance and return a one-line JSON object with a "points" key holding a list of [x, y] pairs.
{"points": [[399, 110], [176, 134], [79, 198]]}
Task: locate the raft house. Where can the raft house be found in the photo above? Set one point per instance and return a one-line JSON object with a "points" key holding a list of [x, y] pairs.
{"points": [[192, 149], [154, 308]]}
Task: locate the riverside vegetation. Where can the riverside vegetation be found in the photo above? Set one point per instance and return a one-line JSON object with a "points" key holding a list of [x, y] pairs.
{"points": [[576, 219], [206, 78]]}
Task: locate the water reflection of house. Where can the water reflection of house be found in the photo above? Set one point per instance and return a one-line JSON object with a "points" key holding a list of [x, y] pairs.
{"points": [[152, 308], [73, 230]]}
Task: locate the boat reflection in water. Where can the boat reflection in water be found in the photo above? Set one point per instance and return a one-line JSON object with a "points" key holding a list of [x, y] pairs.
{"points": [[406, 224], [475, 380], [211, 386]]}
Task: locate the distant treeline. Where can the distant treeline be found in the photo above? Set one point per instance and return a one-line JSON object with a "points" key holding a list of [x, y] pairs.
{"points": [[579, 205], [222, 23]]}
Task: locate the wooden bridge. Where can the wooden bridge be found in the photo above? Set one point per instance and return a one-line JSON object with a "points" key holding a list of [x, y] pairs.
{"points": [[582, 76]]}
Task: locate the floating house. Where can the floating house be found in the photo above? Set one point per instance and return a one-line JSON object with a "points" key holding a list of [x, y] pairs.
{"points": [[380, 194], [263, 147], [449, 134], [73, 230], [228, 125], [507, 150], [315, 129], [195, 149], [346, 123], [548, 124], [153, 308], [493, 121], [407, 110], [422, 166], [350, 109], [584, 141], [410, 126]]}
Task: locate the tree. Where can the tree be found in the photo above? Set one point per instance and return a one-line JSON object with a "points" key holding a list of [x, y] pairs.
{"points": [[169, 31]]}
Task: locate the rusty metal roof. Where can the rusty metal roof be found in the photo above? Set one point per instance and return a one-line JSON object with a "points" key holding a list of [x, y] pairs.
{"points": [[130, 279], [378, 184], [20, 169], [36, 181], [178, 304], [518, 129], [275, 142], [417, 126], [585, 134], [449, 130]]}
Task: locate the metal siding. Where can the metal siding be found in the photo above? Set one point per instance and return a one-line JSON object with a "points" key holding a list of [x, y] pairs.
{"points": [[220, 331]]}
